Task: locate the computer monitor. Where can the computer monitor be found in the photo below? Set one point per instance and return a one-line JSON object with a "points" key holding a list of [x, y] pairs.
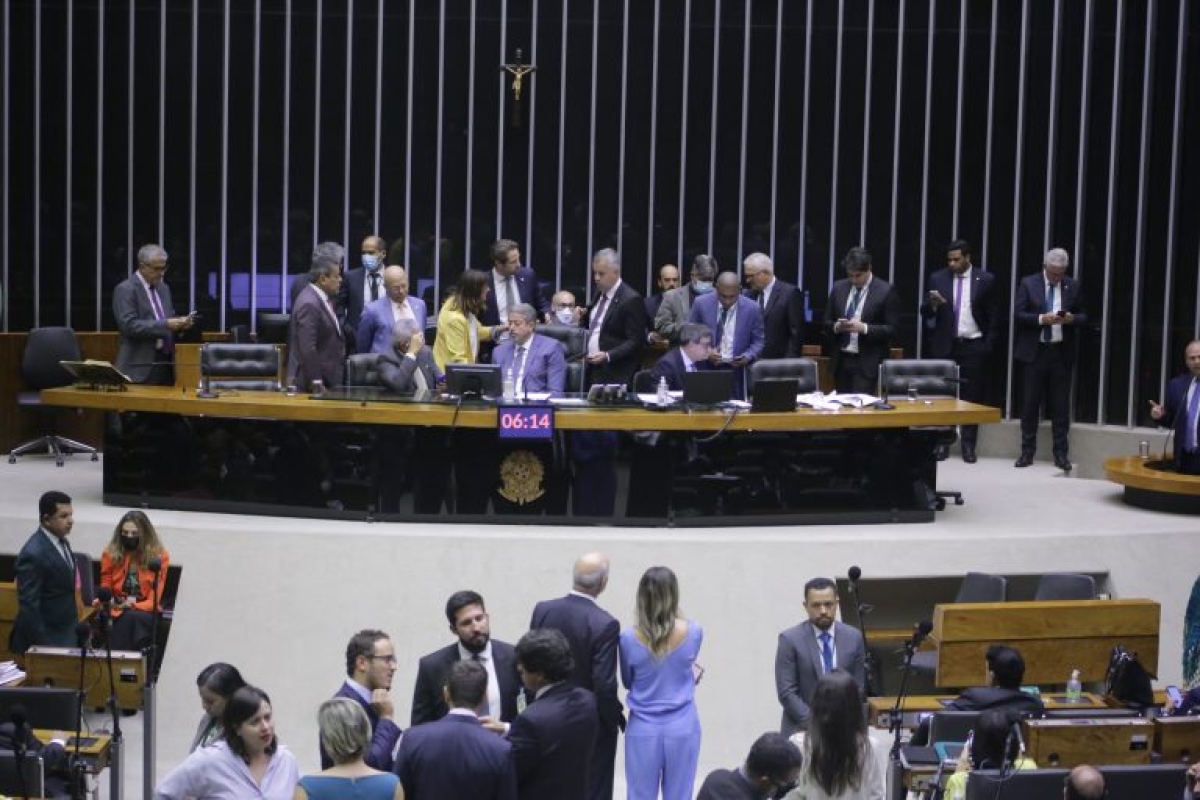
{"points": [[474, 380], [49, 707]]}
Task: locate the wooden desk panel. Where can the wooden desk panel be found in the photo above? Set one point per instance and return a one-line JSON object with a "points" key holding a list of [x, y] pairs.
{"points": [[1071, 742], [1177, 739], [918, 704]]}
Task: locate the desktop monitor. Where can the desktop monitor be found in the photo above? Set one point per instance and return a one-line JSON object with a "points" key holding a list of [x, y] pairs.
{"points": [[474, 380], [707, 387], [49, 707]]}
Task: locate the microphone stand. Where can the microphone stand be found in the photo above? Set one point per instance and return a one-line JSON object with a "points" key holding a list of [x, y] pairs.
{"points": [[82, 634], [897, 727], [863, 610], [149, 706], [116, 764]]}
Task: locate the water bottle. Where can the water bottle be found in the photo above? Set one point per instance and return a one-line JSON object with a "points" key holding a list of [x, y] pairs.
{"points": [[664, 394], [1074, 687], [510, 384]]}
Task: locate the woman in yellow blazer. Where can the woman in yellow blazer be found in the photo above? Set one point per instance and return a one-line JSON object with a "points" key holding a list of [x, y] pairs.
{"points": [[125, 570], [458, 330]]}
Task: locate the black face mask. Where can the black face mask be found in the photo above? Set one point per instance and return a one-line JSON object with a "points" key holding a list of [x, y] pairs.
{"points": [[782, 790], [130, 543]]}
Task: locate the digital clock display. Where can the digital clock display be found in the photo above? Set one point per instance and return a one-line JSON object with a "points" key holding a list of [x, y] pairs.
{"points": [[525, 422]]}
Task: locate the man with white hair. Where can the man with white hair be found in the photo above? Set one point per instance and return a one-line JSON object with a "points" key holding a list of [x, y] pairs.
{"points": [[147, 321], [1047, 312], [782, 307], [616, 323]]}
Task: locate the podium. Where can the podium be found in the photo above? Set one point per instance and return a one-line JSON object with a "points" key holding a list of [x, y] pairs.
{"points": [[1054, 637], [1105, 740], [59, 666]]}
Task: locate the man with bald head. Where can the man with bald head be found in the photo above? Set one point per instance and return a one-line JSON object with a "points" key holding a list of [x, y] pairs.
{"points": [[1084, 783], [592, 634], [736, 323], [1181, 410], [364, 285], [377, 326]]}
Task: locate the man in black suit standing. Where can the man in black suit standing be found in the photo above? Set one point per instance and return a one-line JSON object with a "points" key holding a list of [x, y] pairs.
{"points": [[782, 307], [553, 738], [1048, 308], [147, 321], [362, 285], [510, 284], [592, 635], [315, 334], [863, 314], [455, 756], [47, 580], [469, 621], [616, 323], [960, 315]]}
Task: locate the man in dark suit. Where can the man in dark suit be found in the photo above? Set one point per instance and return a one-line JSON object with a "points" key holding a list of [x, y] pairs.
{"points": [[362, 286], [47, 580], [616, 323], [862, 315], [370, 666], [510, 284], [469, 621], [315, 336], [147, 322], [812, 648], [592, 635], [737, 329], [409, 368], [536, 362], [771, 770], [455, 756], [553, 738], [668, 279], [695, 345], [782, 307], [331, 250], [1048, 308], [1181, 410], [960, 315]]}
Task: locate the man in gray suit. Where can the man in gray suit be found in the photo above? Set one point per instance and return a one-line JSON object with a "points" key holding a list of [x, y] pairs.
{"points": [[812, 648], [676, 303], [147, 322], [409, 368]]}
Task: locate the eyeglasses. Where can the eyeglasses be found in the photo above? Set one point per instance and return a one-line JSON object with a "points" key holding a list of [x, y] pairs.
{"points": [[384, 659]]}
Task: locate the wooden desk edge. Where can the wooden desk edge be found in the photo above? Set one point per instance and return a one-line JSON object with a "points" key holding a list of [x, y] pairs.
{"points": [[1133, 471]]}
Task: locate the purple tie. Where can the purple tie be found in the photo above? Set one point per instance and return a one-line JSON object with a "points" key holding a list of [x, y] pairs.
{"points": [[598, 312], [1193, 419]]}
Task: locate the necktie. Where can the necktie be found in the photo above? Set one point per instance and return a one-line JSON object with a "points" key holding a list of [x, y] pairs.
{"points": [[374, 276], [510, 294], [168, 341], [721, 326], [598, 312], [66, 551], [484, 708], [1193, 418], [1048, 330], [852, 306], [826, 652], [958, 290], [519, 369], [762, 300]]}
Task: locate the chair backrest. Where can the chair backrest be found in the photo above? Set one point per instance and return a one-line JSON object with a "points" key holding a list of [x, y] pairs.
{"points": [[931, 377], [11, 783], [1065, 586], [430, 333], [1027, 784], [240, 334], [362, 369], [44, 348], [272, 327], [87, 580], [575, 376], [643, 382], [979, 587], [1145, 780], [803, 369], [951, 726], [245, 367], [571, 337]]}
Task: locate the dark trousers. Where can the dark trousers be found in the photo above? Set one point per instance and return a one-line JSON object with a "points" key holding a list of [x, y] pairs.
{"points": [[1047, 380], [131, 630], [604, 756], [849, 378], [972, 356]]}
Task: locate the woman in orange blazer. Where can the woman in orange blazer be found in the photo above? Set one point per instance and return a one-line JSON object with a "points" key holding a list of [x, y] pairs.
{"points": [[124, 569]]}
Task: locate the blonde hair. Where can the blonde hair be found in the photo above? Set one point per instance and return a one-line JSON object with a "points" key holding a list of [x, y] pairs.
{"points": [[657, 608], [345, 729]]}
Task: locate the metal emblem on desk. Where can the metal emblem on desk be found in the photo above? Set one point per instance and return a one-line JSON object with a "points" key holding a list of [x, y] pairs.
{"points": [[521, 477]]}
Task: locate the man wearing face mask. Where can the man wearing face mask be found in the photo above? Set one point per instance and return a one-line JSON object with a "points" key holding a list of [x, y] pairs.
{"points": [[677, 303], [564, 310], [363, 285]]}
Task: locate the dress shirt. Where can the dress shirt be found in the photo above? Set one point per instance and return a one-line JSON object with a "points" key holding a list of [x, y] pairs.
{"points": [[378, 274], [402, 311], [502, 283], [832, 643], [217, 773], [155, 303], [594, 324], [852, 345], [493, 691], [726, 343], [359, 690], [58, 546], [328, 307], [1056, 334], [688, 364], [765, 295], [967, 327]]}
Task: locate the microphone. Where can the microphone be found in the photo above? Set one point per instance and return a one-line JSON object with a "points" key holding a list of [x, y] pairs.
{"points": [[105, 596], [83, 635], [920, 631], [154, 564]]}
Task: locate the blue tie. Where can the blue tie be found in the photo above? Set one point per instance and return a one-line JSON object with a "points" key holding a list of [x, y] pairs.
{"points": [[826, 652], [1193, 419]]}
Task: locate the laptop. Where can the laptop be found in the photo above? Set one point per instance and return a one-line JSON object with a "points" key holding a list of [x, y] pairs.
{"points": [[775, 394], [707, 387]]}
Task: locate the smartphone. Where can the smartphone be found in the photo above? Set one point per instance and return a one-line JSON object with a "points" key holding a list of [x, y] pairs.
{"points": [[1176, 697]]}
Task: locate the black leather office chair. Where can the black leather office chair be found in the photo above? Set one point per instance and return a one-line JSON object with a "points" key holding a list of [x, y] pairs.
{"points": [[803, 369], [928, 378], [644, 383], [362, 369], [241, 367], [87, 577], [40, 368], [574, 343], [1065, 586], [976, 587], [272, 327]]}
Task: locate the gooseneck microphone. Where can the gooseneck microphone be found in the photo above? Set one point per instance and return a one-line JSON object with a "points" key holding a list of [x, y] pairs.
{"points": [[854, 574], [921, 632], [862, 609]]}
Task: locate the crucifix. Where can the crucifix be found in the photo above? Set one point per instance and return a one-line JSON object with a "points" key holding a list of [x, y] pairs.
{"points": [[518, 69]]}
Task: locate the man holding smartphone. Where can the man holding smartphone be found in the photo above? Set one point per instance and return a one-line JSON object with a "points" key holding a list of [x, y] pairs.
{"points": [[147, 321]]}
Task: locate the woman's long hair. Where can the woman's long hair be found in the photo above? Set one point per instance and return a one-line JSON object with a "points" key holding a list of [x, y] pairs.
{"points": [[657, 608], [837, 735], [239, 707], [148, 547], [469, 295]]}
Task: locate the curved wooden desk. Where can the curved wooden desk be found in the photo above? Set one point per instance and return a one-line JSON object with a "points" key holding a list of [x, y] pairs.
{"points": [[1152, 484]]}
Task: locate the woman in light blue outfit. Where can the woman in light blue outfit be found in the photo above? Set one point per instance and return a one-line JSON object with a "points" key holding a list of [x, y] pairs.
{"points": [[346, 735], [659, 670]]}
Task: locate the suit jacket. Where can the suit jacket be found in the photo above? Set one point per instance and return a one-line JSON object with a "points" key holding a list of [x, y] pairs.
{"points": [[1175, 411], [46, 610], [748, 339], [528, 291], [140, 331], [429, 704], [727, 784], [552, 744], [315, 347], [396, 371], [453, 342], [783, 321], [673, 312], [984, 698], [455, 758], [798, 666], [622, 334], [353, 299], [880, 312], [940, 320], [1030, 300], [592, 633], [671, 367], [384, 735], [377, 325], [545, 364]]}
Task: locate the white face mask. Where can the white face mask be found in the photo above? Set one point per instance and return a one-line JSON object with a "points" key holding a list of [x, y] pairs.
{"points": [[565, 315], [702, 287]]}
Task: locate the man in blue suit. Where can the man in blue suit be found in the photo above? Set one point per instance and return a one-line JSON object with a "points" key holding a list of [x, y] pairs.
{"points": [[553, 738], [510, 284], [1048, 310], [456, 756], [375, 329], [592, 635], [47, 580], [536, 362], [370, 667], [1181, 410], [960, 315], [695, 346], [147, 321], [736, 323]]}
